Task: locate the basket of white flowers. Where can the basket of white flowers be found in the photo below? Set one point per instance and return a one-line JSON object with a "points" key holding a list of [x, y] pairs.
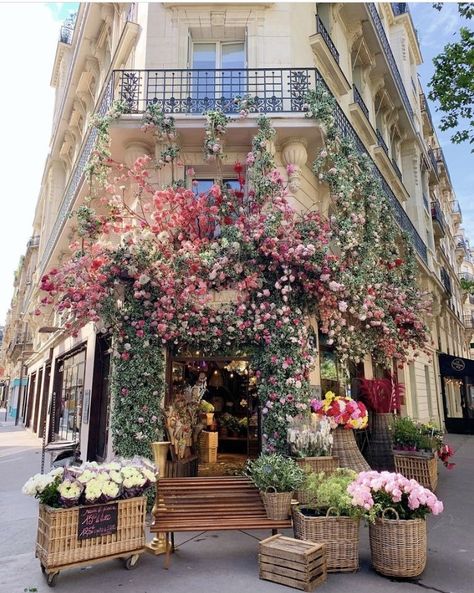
{"points": [[91, 513]]}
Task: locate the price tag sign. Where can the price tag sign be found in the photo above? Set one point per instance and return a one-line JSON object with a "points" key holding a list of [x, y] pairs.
{"points": [[97, 520]]}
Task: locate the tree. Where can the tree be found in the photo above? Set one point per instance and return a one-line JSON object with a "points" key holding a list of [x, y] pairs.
{"points": [[452, 84]]}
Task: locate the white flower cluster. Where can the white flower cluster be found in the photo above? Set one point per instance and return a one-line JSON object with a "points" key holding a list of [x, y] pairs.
{"points": [[309, 436], [94, 483]]}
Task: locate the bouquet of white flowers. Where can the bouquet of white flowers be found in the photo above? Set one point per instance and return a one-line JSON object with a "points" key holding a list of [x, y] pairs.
{"points": [[309, 436]]}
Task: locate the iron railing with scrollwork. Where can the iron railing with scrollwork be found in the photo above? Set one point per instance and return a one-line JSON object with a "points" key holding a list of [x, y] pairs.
{"points": [[446, 280], [66, 34], [437, 215], [439, 157], [193, 91], [397, 169], [381, 141], [321, 29], [373, 12], [399, 8], [433, 160], [360, 101]]}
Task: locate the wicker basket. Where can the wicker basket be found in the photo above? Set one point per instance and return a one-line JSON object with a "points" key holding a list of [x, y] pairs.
{"points": [[380, 454], [277, 504], [327, 465], [398, 548], [421, 468], [57, 543], [345, 448], [340, 534]]}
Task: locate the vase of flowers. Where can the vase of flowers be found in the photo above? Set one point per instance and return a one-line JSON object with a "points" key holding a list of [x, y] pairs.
{"points": [[310, 440], [344, 415], [64, 492], [277, 477], [396, 509], [329, 517], [416, 448]]}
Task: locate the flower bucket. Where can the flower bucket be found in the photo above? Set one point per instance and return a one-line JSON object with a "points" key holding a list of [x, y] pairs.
{"points": [[398, 548], [345, 448], [277, 504], [339, 534]]}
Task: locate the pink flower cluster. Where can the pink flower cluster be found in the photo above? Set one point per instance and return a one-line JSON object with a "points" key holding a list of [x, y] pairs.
{"points": [[387, 489]]}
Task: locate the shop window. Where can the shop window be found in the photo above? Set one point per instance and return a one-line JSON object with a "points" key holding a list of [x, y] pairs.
{"points": [[68, 400], [334, 376]]}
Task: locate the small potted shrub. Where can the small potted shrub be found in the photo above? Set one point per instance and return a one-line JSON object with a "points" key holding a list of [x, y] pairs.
{"points": [[207, 412], [310, 440], [330, 517], [345, 415], [230, 424], [277, 477], [416, 447], [396, 509]]}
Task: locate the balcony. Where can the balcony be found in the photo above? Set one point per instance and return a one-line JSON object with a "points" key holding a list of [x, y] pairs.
{"points": [[446, 280], [360, 115], [326, 53], [441, 163], [397, 169], [66, 34], [439, 222], [399, 8], [388, 165], [468, 322], [274, 90], [434, 162], [461, 249], [381, 141], [456, 212], [387, 50]]}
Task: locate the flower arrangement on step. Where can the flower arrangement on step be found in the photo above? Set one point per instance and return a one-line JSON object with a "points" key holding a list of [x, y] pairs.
{"points": [[396, 508], [341, 411], [330, 516], [277, 477], [92, 483]]}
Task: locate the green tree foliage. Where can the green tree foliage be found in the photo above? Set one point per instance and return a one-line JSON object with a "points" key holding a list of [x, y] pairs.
{"points": [[452, 84]]}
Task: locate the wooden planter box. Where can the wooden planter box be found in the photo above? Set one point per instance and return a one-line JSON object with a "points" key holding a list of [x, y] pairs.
{"points": [[65, 538], [208, 442], [417, 466], [297, 564], [339, 534]]}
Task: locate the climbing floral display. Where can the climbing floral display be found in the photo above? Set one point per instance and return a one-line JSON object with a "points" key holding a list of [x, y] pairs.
{"points": [[234, 271]]}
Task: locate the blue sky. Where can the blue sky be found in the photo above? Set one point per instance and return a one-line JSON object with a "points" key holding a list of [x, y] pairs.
{"points": [[435, 30]]}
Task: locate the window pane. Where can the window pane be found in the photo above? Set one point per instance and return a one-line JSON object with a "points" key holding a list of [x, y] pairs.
{"points": [[201, 186], [204, 55], [203, 83], [233, 81], [233, 55]]}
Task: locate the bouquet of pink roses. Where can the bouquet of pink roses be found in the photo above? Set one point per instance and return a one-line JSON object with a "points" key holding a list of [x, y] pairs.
{"points": [[341, 411], [378, 491]]}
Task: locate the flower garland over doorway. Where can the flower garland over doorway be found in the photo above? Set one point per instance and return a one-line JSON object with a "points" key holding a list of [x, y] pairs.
{"points": [[228, 272]]}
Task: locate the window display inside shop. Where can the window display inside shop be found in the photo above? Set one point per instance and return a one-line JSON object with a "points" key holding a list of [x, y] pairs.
{"points": [[229, 403], [68, 396]]}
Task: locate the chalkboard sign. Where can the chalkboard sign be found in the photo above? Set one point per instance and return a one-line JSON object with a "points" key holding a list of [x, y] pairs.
{"points": [[97, 520]]}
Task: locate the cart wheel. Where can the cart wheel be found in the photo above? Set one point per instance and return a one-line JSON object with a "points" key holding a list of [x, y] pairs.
{"points": [[132, 561], [51, 579]]}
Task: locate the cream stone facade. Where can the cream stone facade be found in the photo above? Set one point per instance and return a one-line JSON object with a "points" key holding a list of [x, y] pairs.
{"points": [[366, 54]]}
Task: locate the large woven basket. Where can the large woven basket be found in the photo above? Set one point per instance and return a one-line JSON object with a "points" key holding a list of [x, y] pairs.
{"points": [[345, 448], [277, 504], [398, 548], [339, 534], [380, 454], [57, 542], [421, 468], [327, 465]]}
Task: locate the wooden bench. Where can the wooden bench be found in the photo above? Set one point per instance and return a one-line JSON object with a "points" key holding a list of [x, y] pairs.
{"points": [[209, 504]]}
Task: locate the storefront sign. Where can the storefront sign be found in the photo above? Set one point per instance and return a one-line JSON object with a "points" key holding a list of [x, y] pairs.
{"points": [[458, 364], [97, 520]]}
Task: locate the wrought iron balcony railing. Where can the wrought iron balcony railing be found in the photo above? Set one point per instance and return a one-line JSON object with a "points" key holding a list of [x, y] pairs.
{"points": [[34, 241], [439, 156], [468, 322], [437, 215], [433, 160], [397, 169], [360, 101], [373, 12], [66, 34], [273, 90], [399, 8], [446, 280], [381, 141], [426, 108], [321, 29]]}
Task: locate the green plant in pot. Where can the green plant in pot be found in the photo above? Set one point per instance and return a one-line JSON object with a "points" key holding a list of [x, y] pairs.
{"points": [[277, 477], [329, 516], [207, 410], [230, 423]]}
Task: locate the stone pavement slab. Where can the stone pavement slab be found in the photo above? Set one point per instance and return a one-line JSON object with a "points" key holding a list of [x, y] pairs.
{"points": [[225, 562]]}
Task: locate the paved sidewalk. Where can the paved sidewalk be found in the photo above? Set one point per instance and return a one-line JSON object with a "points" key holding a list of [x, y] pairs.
{"points": [[225, 562]]}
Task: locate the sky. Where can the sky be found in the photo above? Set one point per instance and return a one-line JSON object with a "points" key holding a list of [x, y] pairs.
{"points": [[28, 38]]}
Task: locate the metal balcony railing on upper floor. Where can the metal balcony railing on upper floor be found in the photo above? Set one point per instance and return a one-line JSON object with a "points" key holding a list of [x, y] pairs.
{"points": [[34, 241], [381, 141], [321, 29], [397, 169], [399, 8], [66, 34], [434, 162], [468, 322], [360, 101], [446, 280], [437, 215], [439, 156], [378, 25], [455, 207], [193, 91]]}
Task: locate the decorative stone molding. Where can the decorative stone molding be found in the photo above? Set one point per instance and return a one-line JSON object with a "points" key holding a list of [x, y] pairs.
{"points": [[134, 150], [294, 153]]}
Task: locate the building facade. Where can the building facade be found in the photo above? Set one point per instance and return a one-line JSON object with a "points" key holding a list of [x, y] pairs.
{"points": [[191, 57]]}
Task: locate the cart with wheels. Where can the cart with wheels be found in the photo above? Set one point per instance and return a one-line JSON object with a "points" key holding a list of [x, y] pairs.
{"points": [[81, 536]]}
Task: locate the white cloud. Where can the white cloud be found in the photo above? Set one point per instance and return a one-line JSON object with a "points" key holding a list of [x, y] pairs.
{"points": [[28, 39]]}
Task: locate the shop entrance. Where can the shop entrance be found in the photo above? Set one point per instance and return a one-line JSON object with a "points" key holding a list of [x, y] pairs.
{"points": [[229, 395], [457, 385]]}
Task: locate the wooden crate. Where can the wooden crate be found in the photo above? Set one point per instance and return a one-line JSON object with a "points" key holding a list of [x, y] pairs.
{"points": [[292, 562], [208, 440], [208, 455]]}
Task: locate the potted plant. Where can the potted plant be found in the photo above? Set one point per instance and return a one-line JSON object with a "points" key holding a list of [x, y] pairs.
{"points": [[345, 415], [110, 497], [230, 424], [330, 517], [383, 398], [416, 449], [310, 440], [277, 477], [396, 508], [207, 411]]}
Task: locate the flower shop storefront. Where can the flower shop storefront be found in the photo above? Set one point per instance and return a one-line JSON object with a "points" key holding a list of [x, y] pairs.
{"points": [[457, 384], [228, 410]]}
